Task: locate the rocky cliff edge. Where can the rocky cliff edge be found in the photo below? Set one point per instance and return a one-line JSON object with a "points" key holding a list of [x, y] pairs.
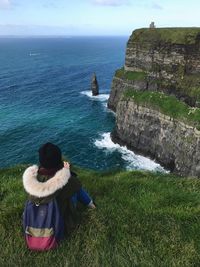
{"points": [[156, 96]]}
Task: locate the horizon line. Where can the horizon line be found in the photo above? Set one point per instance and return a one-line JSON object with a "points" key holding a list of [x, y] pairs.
{"points": [[56, 35]]}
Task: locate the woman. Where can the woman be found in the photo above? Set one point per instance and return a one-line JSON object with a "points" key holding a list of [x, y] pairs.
{"points": [[53, 179]]}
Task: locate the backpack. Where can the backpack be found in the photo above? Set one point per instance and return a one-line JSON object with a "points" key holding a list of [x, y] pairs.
{"points": [[43, 225]]}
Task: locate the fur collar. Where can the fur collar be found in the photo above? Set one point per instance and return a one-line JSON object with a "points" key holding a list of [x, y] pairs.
{"points": [[38, 189]]}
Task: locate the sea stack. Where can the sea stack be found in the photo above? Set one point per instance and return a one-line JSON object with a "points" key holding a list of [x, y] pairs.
{"points": [[94, 85]]}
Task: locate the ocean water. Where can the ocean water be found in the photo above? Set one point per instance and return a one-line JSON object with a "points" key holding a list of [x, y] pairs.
{"points": [[45, 97]]}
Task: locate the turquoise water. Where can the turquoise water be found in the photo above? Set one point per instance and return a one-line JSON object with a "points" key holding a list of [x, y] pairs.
{"points": [[45, 97]]}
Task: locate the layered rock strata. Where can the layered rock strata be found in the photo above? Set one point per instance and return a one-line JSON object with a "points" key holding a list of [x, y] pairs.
{"points": [[170, 57], [168, 61], [169, 141]]}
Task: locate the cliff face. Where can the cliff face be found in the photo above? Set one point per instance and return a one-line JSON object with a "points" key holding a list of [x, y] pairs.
{"points": [[164, 51], [173, 143], [119, 86], [170, 58], [160, 63]]}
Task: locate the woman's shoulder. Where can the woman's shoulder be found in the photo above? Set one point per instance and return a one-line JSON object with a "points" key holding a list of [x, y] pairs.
{"points": [[74, 179], [73, 185]]}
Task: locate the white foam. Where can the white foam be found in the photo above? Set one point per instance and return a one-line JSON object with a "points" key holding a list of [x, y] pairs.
{"points": [[101, 97], [133, 161], [105, 105], [34, 54]]}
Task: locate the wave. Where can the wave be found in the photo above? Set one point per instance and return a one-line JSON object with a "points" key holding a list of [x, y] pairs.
{"points": [[34, 54], [100, 97], [105, 105], [133, 161]]}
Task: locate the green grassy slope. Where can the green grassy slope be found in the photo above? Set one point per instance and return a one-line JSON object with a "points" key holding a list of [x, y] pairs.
{"points": [[166, 104], [185, 36], [130, 75], [142, 219]]}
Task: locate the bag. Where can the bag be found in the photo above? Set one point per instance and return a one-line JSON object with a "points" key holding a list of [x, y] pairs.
{"points": [[43, 225]]}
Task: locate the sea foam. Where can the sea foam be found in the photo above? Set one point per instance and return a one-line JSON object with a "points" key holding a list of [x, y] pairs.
{"points": [[34, 54], [133, 161], [100, 97]]}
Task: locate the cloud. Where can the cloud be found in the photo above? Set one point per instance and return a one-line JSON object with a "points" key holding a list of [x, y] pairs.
{"points": [[5, 4], [111, 2], [156, 6]]}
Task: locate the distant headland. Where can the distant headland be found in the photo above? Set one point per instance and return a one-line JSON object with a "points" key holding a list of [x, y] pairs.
{"points": [[156, 97]]}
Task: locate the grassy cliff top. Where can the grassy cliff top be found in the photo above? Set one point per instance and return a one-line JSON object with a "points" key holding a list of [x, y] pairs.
{"points": [[142, 219], [166, 104], [130, 75], [166, 35]]}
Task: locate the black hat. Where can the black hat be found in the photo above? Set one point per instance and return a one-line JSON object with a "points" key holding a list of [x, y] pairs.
{"points": [[50, 156]]}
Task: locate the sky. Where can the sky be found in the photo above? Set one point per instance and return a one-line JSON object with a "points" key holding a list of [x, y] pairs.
{"points": [[94, 17]]}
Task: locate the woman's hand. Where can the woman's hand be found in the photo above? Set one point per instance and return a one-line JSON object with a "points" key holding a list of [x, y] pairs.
{"points": [[66, 165]]}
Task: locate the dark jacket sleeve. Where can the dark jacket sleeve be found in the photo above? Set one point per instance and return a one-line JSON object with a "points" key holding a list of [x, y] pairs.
{"points": [[67, 210], [73, 186]]}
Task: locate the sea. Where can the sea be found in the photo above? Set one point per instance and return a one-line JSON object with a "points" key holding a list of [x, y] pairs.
{"points": [[45, 96]]}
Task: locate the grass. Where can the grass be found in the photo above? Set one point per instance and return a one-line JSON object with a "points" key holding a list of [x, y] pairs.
{"points": [[166, 104], [130, 75], [142, 219], [186, 36], [188, 84]]}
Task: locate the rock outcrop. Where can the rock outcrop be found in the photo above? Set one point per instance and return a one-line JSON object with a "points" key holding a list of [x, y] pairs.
{"points": [[171, 142], [168, 61], [94, 85]]}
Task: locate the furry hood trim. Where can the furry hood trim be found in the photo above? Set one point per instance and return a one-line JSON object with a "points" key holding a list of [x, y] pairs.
{"points": [[38, 189]]}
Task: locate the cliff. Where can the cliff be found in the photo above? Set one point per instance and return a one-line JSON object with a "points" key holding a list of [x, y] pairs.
{"points": [[165, 59], [156, 96], [171, 141]]}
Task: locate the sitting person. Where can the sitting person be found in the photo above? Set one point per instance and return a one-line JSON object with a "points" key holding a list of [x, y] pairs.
{"points": [[53, 179]]}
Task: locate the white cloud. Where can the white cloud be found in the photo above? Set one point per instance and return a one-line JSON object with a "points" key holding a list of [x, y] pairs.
{"points": [[5, 4], [111, 2]]}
